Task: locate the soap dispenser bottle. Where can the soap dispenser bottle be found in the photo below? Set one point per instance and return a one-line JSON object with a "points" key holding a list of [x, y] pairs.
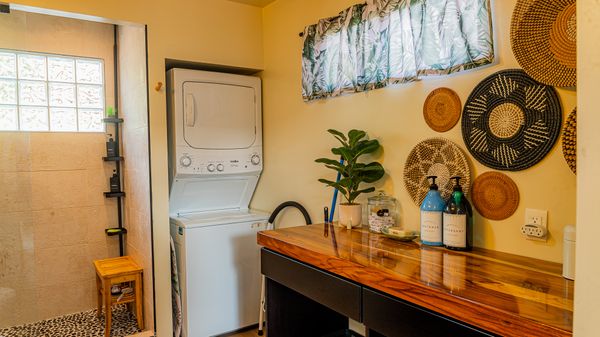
{"points": [[111, 147], [432, 210], [115, 182], [458, 220]]}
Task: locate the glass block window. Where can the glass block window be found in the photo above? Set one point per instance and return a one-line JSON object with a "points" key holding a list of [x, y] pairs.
{"points": [[46, 92]]}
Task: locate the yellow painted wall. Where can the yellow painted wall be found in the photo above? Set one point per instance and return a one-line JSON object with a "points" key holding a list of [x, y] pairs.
{"points": [[294, 133], [587, 285], [210, 31]]}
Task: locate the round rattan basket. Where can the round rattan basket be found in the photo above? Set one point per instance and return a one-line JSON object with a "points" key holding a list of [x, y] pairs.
{"points": [[569, 141], [543, 38], [510, 121], [441, 109], [495, 195], [435, 157]]}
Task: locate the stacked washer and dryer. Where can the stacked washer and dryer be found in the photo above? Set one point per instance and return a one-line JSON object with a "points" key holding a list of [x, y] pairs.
{"points": [[215, 150]]}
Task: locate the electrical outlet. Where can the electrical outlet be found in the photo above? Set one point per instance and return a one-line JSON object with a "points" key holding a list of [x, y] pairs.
{"points": [[531, 230], [536, 225]]}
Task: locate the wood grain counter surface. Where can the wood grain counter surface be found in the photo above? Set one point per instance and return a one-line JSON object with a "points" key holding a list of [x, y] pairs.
{"points": [[502, 293]]}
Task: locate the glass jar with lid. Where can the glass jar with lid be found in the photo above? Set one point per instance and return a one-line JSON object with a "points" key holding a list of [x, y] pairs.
{"points": [[383, 212]]}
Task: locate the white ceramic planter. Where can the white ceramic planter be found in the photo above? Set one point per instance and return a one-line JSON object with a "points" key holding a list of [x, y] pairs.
{"points": [[350, 214]]}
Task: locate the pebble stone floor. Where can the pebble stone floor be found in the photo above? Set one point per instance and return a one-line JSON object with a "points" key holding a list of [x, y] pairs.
{"points": [[82, 324]]}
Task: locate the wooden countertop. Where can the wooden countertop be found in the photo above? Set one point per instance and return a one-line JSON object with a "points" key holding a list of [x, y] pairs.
{"points": [[505, 294]]}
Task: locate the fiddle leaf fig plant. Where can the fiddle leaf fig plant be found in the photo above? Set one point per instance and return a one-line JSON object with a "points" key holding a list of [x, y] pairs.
{"points": [[353, 173]]}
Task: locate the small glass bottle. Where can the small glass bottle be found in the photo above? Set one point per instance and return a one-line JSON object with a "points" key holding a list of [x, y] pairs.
{"points": [[383, 213]]}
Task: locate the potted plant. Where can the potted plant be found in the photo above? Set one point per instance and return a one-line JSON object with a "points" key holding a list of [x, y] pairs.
{"points": [[352, 173]]}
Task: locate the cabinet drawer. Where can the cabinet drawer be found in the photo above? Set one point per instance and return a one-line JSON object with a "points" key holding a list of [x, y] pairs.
{"points": [[393, 317], [331, 291]]}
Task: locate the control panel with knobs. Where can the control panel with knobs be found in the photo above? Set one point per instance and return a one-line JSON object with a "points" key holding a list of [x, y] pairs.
{"points": [[185, 161], [197, 164]]}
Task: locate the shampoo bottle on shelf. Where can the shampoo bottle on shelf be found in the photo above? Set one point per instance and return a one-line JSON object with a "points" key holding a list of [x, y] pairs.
{"points": [[432, 209], [458, 220], [111, 147], [115, 182]]}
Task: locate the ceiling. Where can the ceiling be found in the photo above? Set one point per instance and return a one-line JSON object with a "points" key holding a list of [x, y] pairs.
{"points": [[257, 3]]}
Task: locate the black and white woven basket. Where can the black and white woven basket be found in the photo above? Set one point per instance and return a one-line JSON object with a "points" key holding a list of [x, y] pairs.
{"points": [[510, 121]]}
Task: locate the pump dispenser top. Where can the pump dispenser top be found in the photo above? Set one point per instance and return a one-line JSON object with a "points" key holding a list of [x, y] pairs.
{"points": [[457, 186], [433, 186]]}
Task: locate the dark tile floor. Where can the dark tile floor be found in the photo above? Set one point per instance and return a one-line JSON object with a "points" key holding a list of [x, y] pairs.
{"points": [[82, 324]]}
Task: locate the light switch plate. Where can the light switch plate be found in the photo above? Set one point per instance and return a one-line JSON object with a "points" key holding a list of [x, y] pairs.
{"points": [[538, 218]]}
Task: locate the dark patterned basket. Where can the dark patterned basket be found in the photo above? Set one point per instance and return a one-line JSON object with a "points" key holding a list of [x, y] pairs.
{"points": [[510, 121]]}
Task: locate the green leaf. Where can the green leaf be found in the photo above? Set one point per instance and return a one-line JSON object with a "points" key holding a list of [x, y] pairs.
{"points": [[355, 136], [328, 161], [335, 185], [339, 136], [368, 146], [372, 172], [345, 152]]}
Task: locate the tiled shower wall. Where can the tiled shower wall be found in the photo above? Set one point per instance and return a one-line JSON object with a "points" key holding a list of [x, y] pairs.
{"points": [[52, 210], [52, 220], [136, 167]]}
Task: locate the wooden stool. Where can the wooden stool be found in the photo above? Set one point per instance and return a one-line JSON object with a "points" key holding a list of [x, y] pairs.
{"points": [[115, 271]]}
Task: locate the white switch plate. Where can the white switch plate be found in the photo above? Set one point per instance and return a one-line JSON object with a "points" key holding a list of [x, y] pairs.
{"points": [[537, 217]]}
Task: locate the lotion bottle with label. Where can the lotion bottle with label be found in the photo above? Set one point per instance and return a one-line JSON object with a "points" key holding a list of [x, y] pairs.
{"points": [[432, 209], [458, 220]]}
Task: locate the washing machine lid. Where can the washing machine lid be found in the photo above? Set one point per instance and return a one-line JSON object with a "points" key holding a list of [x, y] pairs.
{"points": [[219, 116], [216, 218], [218, 193]]}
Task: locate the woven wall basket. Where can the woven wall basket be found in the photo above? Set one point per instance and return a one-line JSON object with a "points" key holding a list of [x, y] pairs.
{"points": [[569, 141], [543, 38], [510, 121], [442, 109], [435, 157], [495, 195]]}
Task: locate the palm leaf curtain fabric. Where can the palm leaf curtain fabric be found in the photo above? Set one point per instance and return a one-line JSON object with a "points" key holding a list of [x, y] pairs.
{"points": [[381, 42]]}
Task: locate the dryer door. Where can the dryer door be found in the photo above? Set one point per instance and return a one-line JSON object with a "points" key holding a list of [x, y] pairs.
{"points": [[219, 116]]}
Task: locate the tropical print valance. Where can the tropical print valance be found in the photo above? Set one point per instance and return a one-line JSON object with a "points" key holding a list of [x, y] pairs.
{"points": [[383, 42]]}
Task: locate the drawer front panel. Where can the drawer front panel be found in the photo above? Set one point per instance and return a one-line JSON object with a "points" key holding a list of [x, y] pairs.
{"points": [[334, 292], [393, 317]]}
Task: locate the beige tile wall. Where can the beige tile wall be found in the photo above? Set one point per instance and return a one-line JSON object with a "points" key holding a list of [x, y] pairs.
{"points": [[136, 167], [52, 210], [52, 220]]}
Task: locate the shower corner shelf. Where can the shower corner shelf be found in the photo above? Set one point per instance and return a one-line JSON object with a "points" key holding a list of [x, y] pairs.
{"points": [[114, 194], [115, 158], [119, 230]]}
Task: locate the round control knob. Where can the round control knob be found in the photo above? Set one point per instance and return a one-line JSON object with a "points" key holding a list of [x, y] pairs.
{"points": [[211, 167], [255, 159], [220, 167], [185, 161]]}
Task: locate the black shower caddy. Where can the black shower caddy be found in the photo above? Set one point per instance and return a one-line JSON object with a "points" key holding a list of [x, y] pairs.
{"points": [[120, 230]]}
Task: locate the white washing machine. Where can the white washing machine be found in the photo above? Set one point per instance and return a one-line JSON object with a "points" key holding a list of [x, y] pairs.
{"points": [[215, 161]]}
